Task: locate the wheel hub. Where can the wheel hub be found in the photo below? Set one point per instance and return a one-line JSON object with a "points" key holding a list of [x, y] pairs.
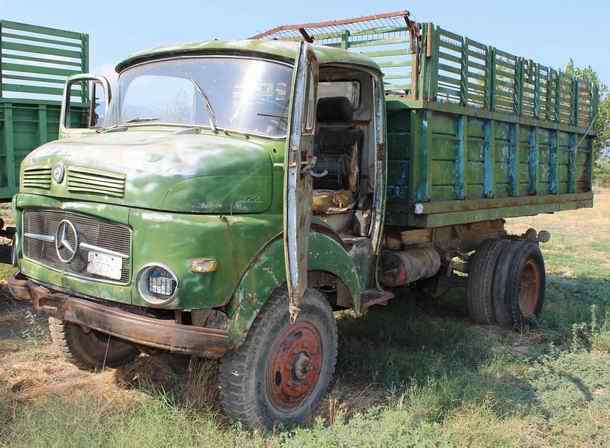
{"points": [[294, 364], [529, 292]]}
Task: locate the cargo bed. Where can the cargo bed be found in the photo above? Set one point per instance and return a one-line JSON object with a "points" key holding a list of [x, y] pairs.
{"points": [[474, 133]]}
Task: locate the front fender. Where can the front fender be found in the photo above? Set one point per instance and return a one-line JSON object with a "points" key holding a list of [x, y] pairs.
{"points": [[268, 273]]}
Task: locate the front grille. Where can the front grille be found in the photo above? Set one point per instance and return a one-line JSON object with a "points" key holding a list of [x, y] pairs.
{"points": [[90, 181], [37, 177], [40, 227]]}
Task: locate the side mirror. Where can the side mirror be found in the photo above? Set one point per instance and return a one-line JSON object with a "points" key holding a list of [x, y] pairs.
{"points": [[85, 104]]}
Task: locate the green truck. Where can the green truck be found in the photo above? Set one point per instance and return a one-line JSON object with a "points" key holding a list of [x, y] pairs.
{"points": [[225, 198]]}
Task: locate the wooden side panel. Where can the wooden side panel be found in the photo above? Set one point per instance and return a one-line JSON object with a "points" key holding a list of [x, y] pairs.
{"points": [[23, 127]]}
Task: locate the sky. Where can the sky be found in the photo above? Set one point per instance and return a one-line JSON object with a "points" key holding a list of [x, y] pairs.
{"points": [[549, 32]]}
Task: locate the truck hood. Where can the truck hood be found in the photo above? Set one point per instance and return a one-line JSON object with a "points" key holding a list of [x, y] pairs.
{"points": [[183, 171]]}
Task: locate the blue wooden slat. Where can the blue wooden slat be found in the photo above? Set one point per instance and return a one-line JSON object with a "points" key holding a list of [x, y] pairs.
{"points": [[533, 161], [460, 155]]}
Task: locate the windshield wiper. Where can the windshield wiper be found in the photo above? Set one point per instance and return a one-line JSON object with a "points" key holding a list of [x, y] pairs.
{"points": [[281, 116], [208, 105], [142, 119]]}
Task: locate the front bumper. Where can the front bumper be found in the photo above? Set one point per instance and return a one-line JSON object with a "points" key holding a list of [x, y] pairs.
{"points": [[143, 330]]}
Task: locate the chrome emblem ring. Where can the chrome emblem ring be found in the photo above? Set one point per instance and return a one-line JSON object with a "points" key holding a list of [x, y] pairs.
{"points": [[58, 172], [66, 241]]}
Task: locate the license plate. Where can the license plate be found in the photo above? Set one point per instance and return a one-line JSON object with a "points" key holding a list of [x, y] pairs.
{"points": [[105, 265]]}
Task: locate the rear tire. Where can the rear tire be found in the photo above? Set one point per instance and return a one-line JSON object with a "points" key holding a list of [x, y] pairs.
{"points": [[502, 306], [89, 350], [479, 292], [525, 286], [280, 374]]}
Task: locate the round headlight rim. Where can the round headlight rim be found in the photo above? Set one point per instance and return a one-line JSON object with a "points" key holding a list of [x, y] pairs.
{"points": [[148, 298]]}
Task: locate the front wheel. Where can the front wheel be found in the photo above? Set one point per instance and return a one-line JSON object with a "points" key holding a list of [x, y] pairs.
{"points": [[279, 375], [88, 349]]}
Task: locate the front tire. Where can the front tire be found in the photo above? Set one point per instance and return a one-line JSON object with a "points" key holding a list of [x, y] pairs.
{"points": [[280, 374], [89, 350]]}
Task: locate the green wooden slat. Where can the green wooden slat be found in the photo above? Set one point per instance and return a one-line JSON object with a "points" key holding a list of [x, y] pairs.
{"points": [[399, 76], [31, 89], [41, 50], [33, 78], [572, 151], [450, 46], [40, 29], [533, 161], [575, 89], [476, 55], [447, 33], [553, 162], [9, 147], [513, 158], [375, 42], [383, 53], [453, 81], [1, 64], [449, 68], [43, 132], [537, 92], [450, 92], [518, 91], [477, 65], [490, 82], [38, 69], [44, 60], [391, 64], [449, 57], [464, 73], [480, 77], [42, 40], [435, 61], [489, 157]]}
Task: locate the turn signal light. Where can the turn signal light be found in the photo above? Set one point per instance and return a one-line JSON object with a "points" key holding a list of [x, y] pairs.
{"points": [[202, 265]]}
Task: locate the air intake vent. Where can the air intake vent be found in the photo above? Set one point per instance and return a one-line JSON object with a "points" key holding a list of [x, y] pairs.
{"points": [[37, 177], [90, 181]]}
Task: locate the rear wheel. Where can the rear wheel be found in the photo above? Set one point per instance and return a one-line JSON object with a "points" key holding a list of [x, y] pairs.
{"points": [[89, 349], [279, 375], [501, 298], [525, 286], [479, 292]]}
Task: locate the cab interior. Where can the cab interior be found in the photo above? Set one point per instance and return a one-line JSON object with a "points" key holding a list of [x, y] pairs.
{"points": [[344, 147]]}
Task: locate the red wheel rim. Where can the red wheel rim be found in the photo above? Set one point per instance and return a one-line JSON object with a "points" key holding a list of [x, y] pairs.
{"points": [[529, 291], [294, 364]]}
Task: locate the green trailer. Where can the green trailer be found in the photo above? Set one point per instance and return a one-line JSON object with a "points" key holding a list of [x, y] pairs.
{"points": [[34, 64], [237, 193]]}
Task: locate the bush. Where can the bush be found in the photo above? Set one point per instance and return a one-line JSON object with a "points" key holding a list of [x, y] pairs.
{"points": [[601, 171]]}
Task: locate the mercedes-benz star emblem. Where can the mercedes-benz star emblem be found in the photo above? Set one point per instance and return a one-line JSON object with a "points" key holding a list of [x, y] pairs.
{"points": [[58, 173], [66, 241]]}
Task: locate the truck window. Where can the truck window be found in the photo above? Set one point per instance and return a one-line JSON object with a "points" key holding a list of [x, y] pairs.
{"points": [[240, 94], [86, 105], [347, 89]]}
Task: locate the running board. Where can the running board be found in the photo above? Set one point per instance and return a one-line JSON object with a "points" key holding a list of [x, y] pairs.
{"points": [[372, 297]]}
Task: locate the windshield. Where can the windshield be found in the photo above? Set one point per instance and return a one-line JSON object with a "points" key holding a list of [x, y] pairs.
{"points": [[246, 95]]}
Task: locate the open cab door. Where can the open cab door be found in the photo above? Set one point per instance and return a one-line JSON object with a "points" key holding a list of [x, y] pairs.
{"points": [[85, 105], [297, 180]]}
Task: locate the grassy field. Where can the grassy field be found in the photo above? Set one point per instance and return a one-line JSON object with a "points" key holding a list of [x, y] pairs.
{"points": [[415, 373]]}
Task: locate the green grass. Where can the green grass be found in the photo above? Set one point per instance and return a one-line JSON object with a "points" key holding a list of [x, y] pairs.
{"points": [[415, 373]]}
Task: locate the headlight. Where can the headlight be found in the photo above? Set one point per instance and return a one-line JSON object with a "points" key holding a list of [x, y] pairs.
{"points": [[157, 284]]}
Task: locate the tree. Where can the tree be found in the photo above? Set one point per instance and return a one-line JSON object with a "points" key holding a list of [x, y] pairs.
{"points": [[602, 122]]}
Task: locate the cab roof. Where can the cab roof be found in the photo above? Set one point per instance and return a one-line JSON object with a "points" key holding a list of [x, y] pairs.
{"points": [[275, 49]]}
